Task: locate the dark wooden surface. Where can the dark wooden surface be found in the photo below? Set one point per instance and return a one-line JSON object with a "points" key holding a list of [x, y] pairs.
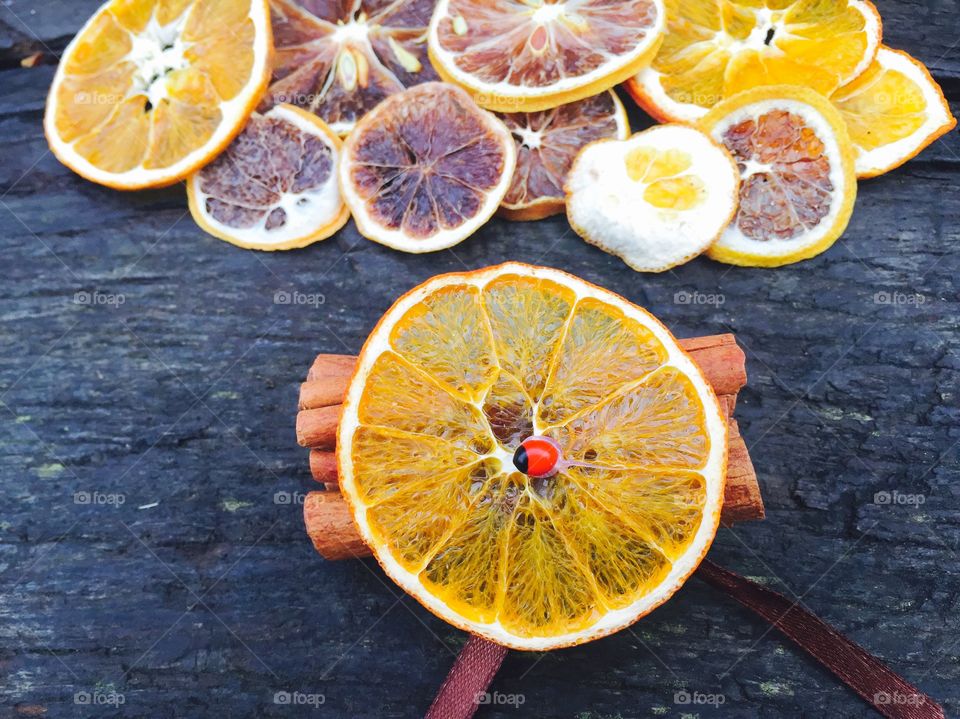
{"points": [[183, 396]]}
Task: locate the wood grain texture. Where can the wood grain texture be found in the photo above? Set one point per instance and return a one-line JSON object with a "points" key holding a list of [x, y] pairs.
{"points": [[211, 600]]}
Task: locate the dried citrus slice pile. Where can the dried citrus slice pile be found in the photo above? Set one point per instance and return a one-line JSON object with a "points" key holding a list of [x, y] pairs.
{"points": [[715, 48], [656, 200], [532, 457], [892, 111], [538, 54], [797, 180], [149, 91], [275, 187], [426, 168], [547, 142], [339, 59]]}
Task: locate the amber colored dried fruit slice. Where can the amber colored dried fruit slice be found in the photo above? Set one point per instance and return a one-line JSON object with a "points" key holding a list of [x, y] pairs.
{"points": [[149, 91], [426, 168], [528, 56], [547, 142], [797, 179], [458, 373], [340, 59], [275, 187]]}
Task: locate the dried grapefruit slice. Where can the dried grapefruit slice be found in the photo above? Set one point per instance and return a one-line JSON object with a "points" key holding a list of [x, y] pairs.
{"points": [[340, 59], [275, 187], [547, 142], [797, 179], [893, 111], [536, 54], [713, 49], [425, 168], [655, 200], [532, 457], [149, 91]]}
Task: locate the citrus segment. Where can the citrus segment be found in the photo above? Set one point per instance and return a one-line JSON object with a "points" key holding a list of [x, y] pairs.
{"points": [[275, 187], [893, 111], [425, 168], [655, 200], [528, 56], [713, 49], [797, 181], [339, 60], [529, 554], [148, 92], [547, 143]]}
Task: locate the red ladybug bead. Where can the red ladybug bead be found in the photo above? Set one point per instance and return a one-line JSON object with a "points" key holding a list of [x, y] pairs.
{"points": [[537, 457]]}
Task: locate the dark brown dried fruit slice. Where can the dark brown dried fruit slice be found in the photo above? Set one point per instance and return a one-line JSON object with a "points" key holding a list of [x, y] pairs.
{"points": [[547, 143], [275, 187], [426, 168]]}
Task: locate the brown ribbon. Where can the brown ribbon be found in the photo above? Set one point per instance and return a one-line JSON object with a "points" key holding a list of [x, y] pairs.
{"points": [[465, 687]]}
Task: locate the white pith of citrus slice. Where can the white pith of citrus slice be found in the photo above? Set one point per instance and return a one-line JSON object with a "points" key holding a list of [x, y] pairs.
{"points": [[426, 168], [275, 187], [339, 60], [460, 371], [657, 199], [893, 111], [528, 56], [713, 49], [797, 179], [547, 143], [149, 91]]}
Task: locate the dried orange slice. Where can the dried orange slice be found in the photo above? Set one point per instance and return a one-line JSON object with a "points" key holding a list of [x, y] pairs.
{"points": [[532, 457], [656, 200], [275, 187], [797, 179], [339, 59], [715, 48], [425, 168], [547, 141], [537, 54], [893, 111], [149, 91]]}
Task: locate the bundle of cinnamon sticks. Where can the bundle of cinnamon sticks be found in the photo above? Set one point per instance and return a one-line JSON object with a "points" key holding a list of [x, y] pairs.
{"points": [[327, 515]]}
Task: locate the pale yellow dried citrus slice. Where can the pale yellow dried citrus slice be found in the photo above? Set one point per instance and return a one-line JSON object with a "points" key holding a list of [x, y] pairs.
{"points": [[425, 168], [547, 141], [713, 49], [893, 111], [150, 90], [275, 187], [530, 55], [655, 200], [459, 379], [339, 59], [797, 179]]}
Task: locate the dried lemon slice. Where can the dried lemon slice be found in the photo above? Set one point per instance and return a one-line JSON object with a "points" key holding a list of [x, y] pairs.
{"points": [[459, 378], [655, 200], [275, 187]]}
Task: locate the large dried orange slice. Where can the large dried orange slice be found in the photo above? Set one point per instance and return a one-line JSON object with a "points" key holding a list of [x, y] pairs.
{"points": [[150, 90], [530, 55], [715, 48], [547, 142], [275, 187], [655, 200], [797, 179], [339, 59], [425, 168], [893, 111], [532, 457]]}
